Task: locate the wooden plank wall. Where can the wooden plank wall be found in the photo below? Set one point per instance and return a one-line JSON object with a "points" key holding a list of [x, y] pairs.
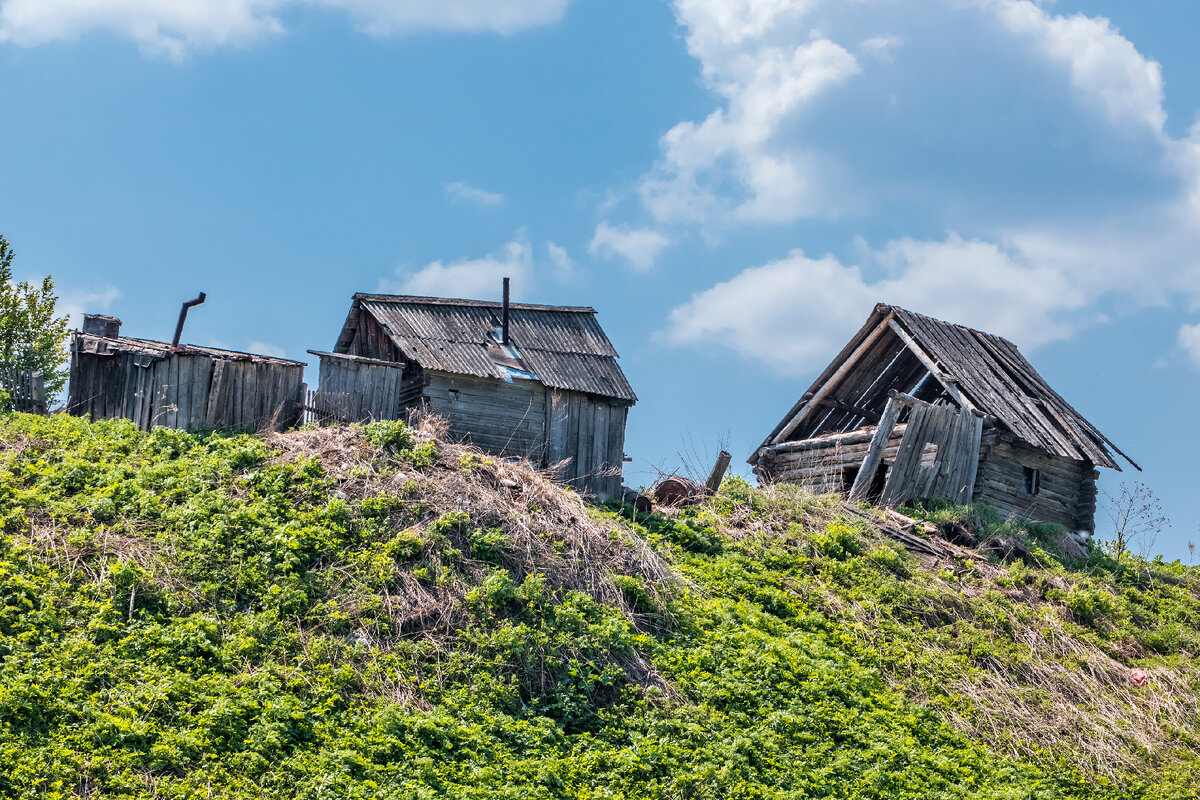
{"points": [[502, 418], [1067, 491], [350, 390], [191, 391], [956, 436], [372, 341], [586, 440]]}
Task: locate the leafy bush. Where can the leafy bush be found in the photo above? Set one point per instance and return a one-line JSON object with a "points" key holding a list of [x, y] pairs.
{"points": [[195, 615]]}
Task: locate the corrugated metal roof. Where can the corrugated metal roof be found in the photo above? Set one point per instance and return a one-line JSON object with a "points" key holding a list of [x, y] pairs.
{"points": [[563, 345], [103, 345]]}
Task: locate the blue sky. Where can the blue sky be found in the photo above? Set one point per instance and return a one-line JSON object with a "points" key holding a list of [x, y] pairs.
{"points": [[733, 184]]}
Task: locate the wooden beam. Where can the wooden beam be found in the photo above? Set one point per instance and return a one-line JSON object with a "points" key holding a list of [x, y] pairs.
{"points": [[831, 384], [948, 381], [853, 409], [870, 465]]}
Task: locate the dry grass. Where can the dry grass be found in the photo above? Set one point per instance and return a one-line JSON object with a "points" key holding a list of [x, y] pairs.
{"points": [[550, 531], [1066, 694]]}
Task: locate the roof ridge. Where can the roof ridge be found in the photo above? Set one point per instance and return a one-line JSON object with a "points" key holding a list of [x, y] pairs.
{"points": [[456, 301], [948, 323]]}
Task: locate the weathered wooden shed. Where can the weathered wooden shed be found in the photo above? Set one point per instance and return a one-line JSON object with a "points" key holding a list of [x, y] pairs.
{"points": [[914, 407], [185, 386], [527, 381]]}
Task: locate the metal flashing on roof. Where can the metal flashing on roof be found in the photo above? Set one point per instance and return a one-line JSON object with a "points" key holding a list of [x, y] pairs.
{"points": [[563, 346]]}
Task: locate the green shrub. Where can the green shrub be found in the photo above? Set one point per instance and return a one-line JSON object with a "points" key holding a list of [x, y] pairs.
{"points": [[388, 435]]}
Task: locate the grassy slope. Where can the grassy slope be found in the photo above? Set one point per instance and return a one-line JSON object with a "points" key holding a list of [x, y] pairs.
{"points": [[375, 614]]}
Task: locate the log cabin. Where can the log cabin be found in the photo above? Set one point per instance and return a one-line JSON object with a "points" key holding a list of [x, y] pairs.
{"points": [[185, 386], [534, 382], [914, 407]]}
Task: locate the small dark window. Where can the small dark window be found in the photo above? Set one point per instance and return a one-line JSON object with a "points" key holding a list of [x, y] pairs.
{"points": [[1032, 482]]}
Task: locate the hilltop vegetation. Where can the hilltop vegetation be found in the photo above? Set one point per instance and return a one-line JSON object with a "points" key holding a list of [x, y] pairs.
{"points": [[372, 612]]}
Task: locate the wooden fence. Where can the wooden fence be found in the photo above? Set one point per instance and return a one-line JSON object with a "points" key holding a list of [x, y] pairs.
{"points": [[26, 390]]}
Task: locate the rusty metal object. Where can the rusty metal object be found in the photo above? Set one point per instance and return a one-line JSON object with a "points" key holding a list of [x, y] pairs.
{"points": [[183, 316], [674, 490]]}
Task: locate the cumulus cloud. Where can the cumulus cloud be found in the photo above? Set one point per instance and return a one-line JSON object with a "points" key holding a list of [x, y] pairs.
{"points": [[639, 246], [173, 28], [767, 155], [1103, 65], [470, 278], [462, 191], [763, 88], [793, 313]]}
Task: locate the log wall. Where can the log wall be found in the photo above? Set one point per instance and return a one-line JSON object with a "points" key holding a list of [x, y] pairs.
{"points": [[1067, 490], [821, 464]]}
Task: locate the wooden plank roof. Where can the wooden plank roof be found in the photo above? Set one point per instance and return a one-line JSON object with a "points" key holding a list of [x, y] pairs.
{"points": [[940, 361], [154, 349], [564, 346]]}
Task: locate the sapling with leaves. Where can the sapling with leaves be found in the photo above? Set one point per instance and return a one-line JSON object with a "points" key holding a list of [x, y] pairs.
{"points": [[1137, 518], [32, 336]]}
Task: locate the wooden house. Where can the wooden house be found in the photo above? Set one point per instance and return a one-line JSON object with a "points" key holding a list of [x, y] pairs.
{"points": [[178, 386], [525, 381], [914, 407]]}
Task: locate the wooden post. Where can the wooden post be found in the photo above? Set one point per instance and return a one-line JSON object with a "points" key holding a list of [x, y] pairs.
{"points": [[870, 465], [718, 472]]}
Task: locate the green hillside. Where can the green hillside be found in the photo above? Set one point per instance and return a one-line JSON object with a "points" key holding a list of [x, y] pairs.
{"points": [[372, 613]]}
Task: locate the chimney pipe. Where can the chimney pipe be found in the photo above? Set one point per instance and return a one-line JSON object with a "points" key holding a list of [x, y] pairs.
{"points": [[183, 316], [504, 321]]}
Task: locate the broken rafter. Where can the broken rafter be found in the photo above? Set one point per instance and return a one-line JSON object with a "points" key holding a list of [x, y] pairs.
{"points": [[821, 393]]}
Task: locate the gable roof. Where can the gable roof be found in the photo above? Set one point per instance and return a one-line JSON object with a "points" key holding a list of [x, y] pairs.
{"points": [[563, 346], [933, 360]]}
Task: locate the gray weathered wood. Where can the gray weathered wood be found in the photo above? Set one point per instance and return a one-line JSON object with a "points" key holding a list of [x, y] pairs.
{"points": [[879, 442]]}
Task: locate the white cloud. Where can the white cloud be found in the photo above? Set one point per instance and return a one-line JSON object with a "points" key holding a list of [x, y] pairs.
{"points": [[1103, 65], [462, 191], [880, 47], [470, 278], [388, 17], [639, 246], [561, 263], [794, 313], [767, 155], [1189, 340], [74, 303], [763, 86], [266, 349], [174, 28]]}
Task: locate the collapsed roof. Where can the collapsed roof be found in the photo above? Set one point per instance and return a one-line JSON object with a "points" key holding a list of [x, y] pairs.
{"points": [[148, 350], [940, 362]]}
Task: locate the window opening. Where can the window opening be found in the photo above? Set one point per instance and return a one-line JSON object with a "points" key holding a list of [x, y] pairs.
{"points": [[1032, 482]]}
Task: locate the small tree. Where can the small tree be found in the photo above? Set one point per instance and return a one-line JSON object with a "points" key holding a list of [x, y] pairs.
{"points": [[1137, 517], [32, 338]]}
